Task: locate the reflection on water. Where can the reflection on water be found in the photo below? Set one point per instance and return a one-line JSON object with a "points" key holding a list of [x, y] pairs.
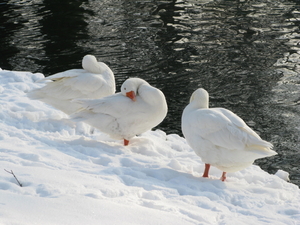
{"points": [[245, 53], [42, 35]]}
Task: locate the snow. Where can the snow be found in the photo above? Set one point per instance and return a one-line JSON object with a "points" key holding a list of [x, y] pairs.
{"points": [[283, 175], [72, 176]]}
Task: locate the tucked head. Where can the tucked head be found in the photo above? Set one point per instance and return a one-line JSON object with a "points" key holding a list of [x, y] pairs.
{"points": [[90, 64], [200, 97], [130, 87]]}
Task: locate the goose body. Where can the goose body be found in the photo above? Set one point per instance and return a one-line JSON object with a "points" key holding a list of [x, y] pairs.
{"points": [[95, 80], [220, 137], [137, 108]]}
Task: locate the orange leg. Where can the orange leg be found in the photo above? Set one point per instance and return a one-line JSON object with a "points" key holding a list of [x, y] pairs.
{"points": [[126, 142], [205, 174], [223, 178]]}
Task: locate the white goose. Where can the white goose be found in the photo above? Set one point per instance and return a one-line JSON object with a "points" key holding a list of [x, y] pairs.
{"points": [[95, 80], [137, 108], [220, 137]]}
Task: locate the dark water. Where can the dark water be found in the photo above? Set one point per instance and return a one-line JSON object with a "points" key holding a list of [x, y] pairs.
{"points": [[245, 53]]}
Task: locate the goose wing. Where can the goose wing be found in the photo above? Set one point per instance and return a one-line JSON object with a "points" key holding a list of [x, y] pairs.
{"points": [[225, 130], [73, 84]]}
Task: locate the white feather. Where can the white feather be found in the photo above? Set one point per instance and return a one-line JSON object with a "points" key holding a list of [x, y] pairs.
{"points": [[220, 137], [96, 80], [119, 116]]}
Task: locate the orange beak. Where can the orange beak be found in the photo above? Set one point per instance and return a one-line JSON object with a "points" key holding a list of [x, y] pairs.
{"points": [[131, 95]]}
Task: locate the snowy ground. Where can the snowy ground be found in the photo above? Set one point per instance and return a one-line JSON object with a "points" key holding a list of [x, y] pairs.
{"points": [[70, 176]]}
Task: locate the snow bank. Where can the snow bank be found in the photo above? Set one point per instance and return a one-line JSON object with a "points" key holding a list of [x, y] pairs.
{"points": [[71, 176]]}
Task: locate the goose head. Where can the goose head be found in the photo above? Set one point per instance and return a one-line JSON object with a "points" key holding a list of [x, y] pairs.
{"points": [[131, 87], [200, 98], [90, 64]]}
